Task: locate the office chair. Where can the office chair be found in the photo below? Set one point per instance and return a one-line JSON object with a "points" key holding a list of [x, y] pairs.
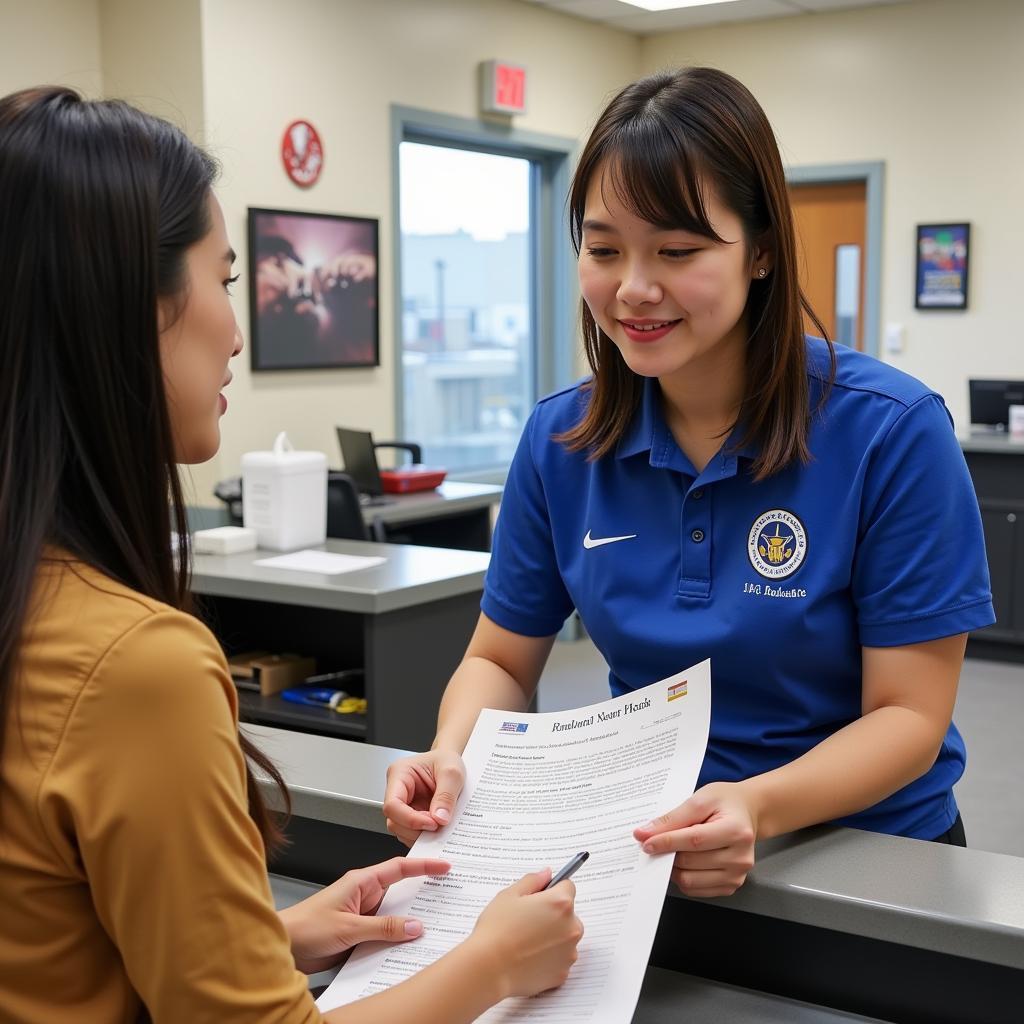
{"points": [[344, 513], [414, 450]]}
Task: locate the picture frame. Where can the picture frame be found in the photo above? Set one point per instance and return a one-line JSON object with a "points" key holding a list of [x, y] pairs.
{"points": [[314, 291], [941, 266]]}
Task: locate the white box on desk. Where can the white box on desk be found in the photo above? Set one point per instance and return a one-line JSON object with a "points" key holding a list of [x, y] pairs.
{"points": [[223, 540]]}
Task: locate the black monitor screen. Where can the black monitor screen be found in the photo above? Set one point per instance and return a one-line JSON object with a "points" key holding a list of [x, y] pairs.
{"points": [[360, 459], [991, 400]]}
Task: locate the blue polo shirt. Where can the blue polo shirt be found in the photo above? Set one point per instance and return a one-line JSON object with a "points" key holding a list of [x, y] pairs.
{"points": [[876, 542]]}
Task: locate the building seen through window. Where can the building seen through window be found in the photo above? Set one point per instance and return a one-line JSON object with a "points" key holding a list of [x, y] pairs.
{"points": [[467, 335]]}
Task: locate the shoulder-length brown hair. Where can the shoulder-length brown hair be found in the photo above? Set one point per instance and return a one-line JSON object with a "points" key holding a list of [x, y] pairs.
{"points": [[662, 142]]}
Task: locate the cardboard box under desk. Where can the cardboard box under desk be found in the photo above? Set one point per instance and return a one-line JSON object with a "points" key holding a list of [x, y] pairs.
{"points": [[270, 673]]}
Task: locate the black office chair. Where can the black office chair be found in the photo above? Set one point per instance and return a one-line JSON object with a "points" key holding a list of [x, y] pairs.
{"points": [[415, 450], [230, 492], [344, 513]]}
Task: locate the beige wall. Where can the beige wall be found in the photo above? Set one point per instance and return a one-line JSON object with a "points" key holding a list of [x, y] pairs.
{"points": [[934, 90], [50, 42], [341, 64], [152, 57]]}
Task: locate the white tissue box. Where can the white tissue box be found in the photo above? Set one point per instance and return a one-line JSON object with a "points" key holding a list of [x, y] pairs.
{"points": [[223, 540]]}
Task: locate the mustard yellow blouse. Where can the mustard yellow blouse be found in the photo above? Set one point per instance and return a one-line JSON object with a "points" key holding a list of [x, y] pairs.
{"points": [[131, 875]]}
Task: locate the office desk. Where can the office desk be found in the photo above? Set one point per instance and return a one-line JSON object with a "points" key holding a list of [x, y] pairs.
{"points": [[996, 464], [455, 515], [831, 922], [406, 623]]}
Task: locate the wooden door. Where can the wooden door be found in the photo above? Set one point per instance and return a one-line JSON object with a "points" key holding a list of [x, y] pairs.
{"points": [[830, 221]]}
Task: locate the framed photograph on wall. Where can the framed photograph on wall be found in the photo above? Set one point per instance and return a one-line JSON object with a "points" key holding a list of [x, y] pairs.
{"points": [[313, 290], [943, 253]]}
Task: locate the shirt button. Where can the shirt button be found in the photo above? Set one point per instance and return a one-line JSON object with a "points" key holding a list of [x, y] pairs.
{"points": [[697, 495], [697, 536]]}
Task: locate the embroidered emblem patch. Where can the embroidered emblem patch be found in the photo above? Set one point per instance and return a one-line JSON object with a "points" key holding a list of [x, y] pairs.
{"points": [[777, 544]]}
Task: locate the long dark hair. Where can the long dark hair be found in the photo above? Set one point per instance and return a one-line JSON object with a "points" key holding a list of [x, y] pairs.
{"points": [[98, 204], [660, 140]]}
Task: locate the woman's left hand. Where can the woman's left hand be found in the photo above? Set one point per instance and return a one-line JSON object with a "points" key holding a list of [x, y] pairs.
{"points": [[712, 835], [327, 924]]}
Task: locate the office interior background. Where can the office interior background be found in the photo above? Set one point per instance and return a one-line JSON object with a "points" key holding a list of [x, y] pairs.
{"points": [[920, 101]]}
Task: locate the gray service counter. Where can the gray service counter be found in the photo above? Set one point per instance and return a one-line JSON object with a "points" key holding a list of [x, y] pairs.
{"points": [[832, 924]]}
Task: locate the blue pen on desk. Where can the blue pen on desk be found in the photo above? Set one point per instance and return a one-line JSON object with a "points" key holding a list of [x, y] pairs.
{"points": [[569, 870]]}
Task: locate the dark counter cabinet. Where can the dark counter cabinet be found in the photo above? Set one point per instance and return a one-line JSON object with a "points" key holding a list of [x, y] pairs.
{"points": [[996, 466]]}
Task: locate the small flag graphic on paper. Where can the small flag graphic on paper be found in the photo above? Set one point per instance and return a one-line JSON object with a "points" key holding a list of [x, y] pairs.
{"points": [[677, 690], [513, 727]]}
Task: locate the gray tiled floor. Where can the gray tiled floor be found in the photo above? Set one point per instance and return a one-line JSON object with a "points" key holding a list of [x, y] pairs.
{"points": [[989, 713]]}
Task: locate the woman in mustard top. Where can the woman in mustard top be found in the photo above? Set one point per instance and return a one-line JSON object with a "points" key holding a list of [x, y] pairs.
{"points": [[132, 836]]}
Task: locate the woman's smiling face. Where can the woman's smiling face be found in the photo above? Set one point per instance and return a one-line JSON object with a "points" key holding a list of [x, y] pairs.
{"points": [[669, 299]]}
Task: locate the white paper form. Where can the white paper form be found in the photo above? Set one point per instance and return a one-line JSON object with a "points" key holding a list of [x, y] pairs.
{"points": [[539, 789], [325, 563]]}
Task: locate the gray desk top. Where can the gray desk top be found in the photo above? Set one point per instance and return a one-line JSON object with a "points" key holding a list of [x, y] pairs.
{"points": [[410, 576], [451, 498], [995, 443], [962, 902]]}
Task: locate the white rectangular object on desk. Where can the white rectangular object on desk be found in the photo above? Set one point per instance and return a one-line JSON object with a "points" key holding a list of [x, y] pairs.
{"points": [[284, 496], [325, 563], [223, 540], [1016, 424]]}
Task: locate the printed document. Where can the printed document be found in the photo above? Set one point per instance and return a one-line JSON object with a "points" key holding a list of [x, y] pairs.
{"points": [[541, 788]]}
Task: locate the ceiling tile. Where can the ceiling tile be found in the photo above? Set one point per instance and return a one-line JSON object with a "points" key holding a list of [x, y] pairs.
{"points": [[695, 17], [593, 10], [633, 19], [839, 5]]}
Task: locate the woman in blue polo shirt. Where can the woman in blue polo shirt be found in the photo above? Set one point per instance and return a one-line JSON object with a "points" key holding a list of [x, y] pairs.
{"points": [[724, 487]]}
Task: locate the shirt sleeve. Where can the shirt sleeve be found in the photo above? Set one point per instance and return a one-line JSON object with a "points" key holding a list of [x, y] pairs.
{"points": [[151, 780], [920, 571], [523, 590]]}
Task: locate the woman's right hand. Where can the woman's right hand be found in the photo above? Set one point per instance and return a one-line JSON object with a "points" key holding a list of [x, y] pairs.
{"points": [[530, 935], [421, 793]]}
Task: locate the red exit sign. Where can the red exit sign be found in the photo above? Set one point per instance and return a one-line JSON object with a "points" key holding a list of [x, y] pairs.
{"points": [[503, 88]]}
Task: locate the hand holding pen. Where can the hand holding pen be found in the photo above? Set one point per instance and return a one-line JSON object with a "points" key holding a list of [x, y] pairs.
{"points": [[534, 927]]}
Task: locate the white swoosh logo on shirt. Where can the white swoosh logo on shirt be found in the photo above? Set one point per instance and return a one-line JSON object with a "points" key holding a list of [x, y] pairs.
{"points": [[589, 542]]}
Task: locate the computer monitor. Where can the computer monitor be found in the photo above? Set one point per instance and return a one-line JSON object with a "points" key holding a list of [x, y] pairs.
{"points": [[991, 401], [360, 459]]}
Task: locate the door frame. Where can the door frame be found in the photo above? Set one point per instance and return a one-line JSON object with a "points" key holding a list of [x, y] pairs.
{"points": [[872, 174]]}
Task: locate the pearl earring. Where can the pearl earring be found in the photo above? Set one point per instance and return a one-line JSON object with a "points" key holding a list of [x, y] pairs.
{"points": [[762, 272]]}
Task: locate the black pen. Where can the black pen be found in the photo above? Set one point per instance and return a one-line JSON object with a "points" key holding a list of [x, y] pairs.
{"points": [[569, 870]]}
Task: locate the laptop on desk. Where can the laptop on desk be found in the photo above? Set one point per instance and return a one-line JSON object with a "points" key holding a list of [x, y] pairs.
{"points": [[361, 464]]}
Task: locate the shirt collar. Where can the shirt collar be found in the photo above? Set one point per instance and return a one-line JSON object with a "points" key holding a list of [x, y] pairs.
{"points": [[648, 432], [639, 434]]}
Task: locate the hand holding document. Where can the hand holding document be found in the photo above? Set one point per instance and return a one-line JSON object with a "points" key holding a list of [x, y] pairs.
{"points": [[540, 789]]}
